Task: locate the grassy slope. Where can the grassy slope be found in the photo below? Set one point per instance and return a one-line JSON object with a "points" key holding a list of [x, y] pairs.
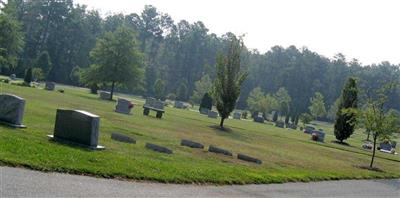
{"points": [[287, 155]]}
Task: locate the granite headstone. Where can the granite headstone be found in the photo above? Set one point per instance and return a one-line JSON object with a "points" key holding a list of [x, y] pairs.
{"points": [[212, 114], [104, 95], [12, 110], [77, 127], [123, 106], [50, 86], [237, 115]]}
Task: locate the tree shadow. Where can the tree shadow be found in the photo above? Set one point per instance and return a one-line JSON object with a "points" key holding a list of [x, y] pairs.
{"points": [[218, 128], [341, 143], [375, 169]]}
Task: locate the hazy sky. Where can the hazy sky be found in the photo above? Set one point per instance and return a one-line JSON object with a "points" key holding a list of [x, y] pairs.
{"points": [[363, 29]]}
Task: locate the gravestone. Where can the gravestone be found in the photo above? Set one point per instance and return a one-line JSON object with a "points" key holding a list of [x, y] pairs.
{"points": [[318, 136], [237, 115], [12, 110], [258, 118], [248, 158], [212, 114], [179, 104], [215, 149], [13, 77], [104, 95], [122, 138], [124, 106], [280, 124], [157, 148], [191, 144], [291, 126], [385, 146], [204, 111], [50, 86], [77, 127], [155, 105]]}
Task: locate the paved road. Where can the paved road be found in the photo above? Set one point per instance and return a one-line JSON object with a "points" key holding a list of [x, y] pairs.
{"points": [[15, 182]]}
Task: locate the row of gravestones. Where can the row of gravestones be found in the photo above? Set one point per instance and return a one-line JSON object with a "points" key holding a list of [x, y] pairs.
{"points": [[81, 128], [48, 85], [213, 114]]}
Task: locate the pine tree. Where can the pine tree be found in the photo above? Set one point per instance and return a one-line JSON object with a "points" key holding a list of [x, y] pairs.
{"points": [[206, 102], [28, 76], [345, 119]]}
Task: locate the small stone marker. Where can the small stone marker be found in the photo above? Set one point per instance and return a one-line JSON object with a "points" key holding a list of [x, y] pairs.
{"points": [[237, 115], [259, 119], [12, 110], [13, 77], [191, 144], [50, 86], [123, 138], [124, 106], [385, 146], [157, 148], [318, 136], [212, 114], [248, 158], [77, 127], [104, 95], [215, 149], [204, 111], [280, 124], [179, 104]]}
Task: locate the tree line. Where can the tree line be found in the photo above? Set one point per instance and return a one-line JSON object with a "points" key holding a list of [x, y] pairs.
{"points": [[57, 39]]}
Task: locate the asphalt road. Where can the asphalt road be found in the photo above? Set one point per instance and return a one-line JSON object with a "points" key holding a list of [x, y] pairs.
{"points": [[15, 182]]}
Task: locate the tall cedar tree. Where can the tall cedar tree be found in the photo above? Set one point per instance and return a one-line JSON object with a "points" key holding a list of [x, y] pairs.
{"points": [[206, 102], [345, 122], [117, 59], [229, 78], [28, 75]]}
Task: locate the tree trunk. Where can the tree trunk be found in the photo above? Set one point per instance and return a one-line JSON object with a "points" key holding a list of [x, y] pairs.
{"points": [[112, 90], [368, 135], [373, 152], [221, 124]]}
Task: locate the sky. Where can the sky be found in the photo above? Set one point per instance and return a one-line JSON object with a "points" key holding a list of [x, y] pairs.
{"points": [[368, 30]]}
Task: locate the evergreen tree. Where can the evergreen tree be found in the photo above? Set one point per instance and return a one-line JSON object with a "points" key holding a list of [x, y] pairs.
{"points": [[28, 76], [345, 119], [229, 79], [181, 92], [159, 89], [317, 107], [206, 102], [43, 62]]}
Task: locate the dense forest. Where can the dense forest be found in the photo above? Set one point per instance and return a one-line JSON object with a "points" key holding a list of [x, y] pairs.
{"points": [[57, 36]]}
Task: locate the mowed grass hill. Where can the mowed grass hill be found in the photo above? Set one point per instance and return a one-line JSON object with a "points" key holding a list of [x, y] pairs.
{"points": [[287, 155]]}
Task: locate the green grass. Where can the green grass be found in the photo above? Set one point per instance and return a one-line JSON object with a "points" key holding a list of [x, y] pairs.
{"points": [[287, 155]]}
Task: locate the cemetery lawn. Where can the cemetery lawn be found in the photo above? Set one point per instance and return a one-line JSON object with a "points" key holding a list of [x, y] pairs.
{"points": [[287, 155]]}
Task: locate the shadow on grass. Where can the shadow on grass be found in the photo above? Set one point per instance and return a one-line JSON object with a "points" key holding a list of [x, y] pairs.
{"points": [[341, 143], [71, 144], [218, 128], [375, 169]]}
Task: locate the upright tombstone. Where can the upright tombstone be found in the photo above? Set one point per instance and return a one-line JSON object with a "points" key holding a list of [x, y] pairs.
{"points": [[318, 136], [77, 127], [179, 104], [204, 111], [124, 106], [12, 110], [13, 77], [258, 118], [50, 86], [104, 95], [280, 124], [237, 115], [212, 114]]}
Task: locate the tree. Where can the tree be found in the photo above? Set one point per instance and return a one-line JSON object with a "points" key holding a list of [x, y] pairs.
{"points": [[28, 76], [317, 107], [345, 117], [226, 88], [382, 123], [181, 92], [117, 59], [159, 89], [201, 87], [331, 114], [306, 118], [75, 75], [283, 98], [254, 101], [11, 37], [43, 62], [37, 74], [206, 102]]}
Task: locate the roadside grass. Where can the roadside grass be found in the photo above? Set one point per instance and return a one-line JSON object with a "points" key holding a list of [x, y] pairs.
{"points": [[287, 155]]}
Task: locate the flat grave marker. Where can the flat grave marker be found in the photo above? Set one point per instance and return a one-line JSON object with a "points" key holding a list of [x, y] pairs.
{"points": [[122, 138]]}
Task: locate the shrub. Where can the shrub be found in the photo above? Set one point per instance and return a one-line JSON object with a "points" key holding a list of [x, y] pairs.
{"points": [[28, 75], [206, 102]]}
